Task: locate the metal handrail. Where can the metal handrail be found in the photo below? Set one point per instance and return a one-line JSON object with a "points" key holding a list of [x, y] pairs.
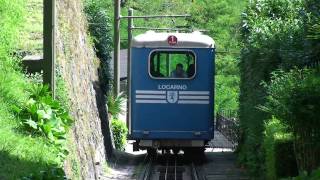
{"points": [[229, 128], [156, 16]]}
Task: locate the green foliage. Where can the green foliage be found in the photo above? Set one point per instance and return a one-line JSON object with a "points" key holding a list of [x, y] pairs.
{"points": [[31, 34], [285, 161], [314, 30], [100, 30], [312, 42], [294, 98], [115, 104], [119, 128], [11, 18], [226, 94], [22, 154], [44, 116], [273, 128], [50, 174], [222, 19], [273, 36], [120, 132], [11, 82], [279, 154], [315, 175]]}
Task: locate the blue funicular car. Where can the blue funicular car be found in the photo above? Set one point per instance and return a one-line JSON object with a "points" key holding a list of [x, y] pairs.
{"points": [[171, 91]]}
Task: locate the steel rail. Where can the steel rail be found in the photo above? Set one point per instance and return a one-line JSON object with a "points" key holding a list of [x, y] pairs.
{"points": [[196, 175], [146, 173], [171, 169], [167, 166], [175, 168], [194, 172]]}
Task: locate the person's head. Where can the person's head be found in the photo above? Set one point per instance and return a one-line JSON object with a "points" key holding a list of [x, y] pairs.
{"points": [[179, 68]]}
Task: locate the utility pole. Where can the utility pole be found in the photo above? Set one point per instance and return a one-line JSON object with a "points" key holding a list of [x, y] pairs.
{"points": [[116, 52], [130, 28], [49, 44]]}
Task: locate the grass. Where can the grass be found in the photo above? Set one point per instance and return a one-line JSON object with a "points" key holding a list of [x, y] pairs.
{"points": [[32, 31], [21, 154]]}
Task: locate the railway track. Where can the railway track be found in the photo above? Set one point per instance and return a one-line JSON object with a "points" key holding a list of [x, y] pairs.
{"points": [[170, 167]]}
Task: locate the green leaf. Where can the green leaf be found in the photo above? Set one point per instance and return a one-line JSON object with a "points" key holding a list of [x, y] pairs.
{"points": [[60, 141], [47, 128], [31, 102], [50, 136], [16, 108], [32, 109], [42, 114], [31, 123], [59, 131]]}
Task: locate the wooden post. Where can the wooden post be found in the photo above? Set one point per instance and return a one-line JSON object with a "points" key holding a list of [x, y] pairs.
{"points": [[49, 44], [116, 53]]}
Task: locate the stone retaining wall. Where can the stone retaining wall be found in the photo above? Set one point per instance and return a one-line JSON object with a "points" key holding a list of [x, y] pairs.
{"points": [[78, 65]]}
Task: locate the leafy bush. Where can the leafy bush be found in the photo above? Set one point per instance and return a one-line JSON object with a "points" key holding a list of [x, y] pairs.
{"points": [[120, 132], [115, 104], [41, 115], [273, 36], [100, 30], [272, 127], [278, 146], [315, 175], [118, 128], [294, 99], [285, 161]]}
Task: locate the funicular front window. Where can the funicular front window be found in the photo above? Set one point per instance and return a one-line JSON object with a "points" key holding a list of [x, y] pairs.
{"points": [[172, 64]]}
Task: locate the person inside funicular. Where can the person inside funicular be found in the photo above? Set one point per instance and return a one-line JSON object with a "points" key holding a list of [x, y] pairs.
{"points": [[178, 72]]}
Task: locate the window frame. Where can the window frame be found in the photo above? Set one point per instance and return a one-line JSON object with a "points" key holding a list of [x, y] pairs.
{"points": [[173, 50]]}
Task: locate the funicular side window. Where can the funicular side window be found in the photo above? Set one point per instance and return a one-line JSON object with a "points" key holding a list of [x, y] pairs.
{"points": [[172, 64]]}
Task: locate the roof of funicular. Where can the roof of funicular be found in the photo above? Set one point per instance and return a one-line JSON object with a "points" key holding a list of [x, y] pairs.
{"points": [[152, 39]]}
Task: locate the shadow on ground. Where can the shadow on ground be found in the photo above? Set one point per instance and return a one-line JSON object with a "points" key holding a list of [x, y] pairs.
{"points": [[222, 165], [12, 167], [124, 165]]}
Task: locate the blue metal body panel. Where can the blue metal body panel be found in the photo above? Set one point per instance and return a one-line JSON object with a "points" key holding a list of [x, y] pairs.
{"points": [[179, 119]]}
